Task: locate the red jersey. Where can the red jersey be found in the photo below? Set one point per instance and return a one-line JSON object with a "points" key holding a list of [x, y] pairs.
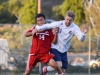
{"points": [[41, 42]]}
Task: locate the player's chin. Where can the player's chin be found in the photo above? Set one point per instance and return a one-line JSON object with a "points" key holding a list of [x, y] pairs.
{"points": [[41, 24], [67, 24]]}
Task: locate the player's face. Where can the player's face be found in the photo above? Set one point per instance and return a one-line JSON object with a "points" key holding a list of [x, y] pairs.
{"points": [[68, 20], [40, 21]]}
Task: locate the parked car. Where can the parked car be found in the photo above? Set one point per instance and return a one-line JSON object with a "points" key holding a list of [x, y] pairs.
{"points": [[49, 20], [78, 62], [95, 63]]}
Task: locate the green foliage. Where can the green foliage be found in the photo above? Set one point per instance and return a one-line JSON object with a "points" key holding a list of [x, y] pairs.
{"points": [[14, 6], [93, 11], [5, 15], [73, 5], [28, 12], [11, 10]]}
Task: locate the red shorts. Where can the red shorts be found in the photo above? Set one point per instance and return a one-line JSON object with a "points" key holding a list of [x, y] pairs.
{"points": [[34, 59]]}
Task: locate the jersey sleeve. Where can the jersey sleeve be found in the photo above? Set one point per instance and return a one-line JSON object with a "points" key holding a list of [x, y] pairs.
{"points": [[30, 30], [48, 26], [79, 34]]}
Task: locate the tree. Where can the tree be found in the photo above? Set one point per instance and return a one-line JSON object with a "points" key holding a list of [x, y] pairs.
{"points": [[5, 15], [73, 5], [24, 9], [28, 12], [93, 18]]}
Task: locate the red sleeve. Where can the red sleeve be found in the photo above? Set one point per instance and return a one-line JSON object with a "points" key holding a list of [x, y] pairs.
{"points": [[30, 30]]}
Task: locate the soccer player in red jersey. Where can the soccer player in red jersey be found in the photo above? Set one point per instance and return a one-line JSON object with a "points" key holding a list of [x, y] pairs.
{"points": [[40, 48]]}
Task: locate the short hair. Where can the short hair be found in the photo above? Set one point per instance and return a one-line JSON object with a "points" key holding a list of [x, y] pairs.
{"points": [[70, 14], [40, 15]]}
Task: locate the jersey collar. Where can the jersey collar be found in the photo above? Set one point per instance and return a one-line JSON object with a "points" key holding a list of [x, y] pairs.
{"points": [[66, 26]]}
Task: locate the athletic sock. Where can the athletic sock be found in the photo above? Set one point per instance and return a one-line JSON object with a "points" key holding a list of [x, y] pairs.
{"points": [[59, 74], [49, 68]]}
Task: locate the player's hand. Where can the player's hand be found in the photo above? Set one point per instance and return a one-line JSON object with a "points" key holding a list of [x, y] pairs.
{"points": [[56, 30], [34, 31], [84, 30]]}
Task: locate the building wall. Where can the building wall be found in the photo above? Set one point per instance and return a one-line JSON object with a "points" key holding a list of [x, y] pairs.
{"points": [[4, 53]]}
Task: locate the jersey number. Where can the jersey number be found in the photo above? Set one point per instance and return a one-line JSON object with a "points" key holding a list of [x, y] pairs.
{"points": [[41, 37]]}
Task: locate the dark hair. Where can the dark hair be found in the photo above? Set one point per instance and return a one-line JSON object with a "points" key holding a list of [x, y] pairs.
{"points": [[70, 14], [40, 15]]}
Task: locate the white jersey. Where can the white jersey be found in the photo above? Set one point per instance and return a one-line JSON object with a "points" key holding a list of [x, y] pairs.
{"points": [[65, 34]]}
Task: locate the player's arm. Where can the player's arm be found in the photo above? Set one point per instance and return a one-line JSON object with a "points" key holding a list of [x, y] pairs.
{"points": [[47, 26], [31, 32], [81, 34], [54, 41], [28, 34]]}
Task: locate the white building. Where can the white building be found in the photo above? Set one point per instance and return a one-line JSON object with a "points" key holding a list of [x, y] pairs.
{"points": [[4, 49]]}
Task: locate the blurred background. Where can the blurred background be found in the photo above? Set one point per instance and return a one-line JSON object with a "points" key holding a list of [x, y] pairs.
{"points": [[17, 16]]}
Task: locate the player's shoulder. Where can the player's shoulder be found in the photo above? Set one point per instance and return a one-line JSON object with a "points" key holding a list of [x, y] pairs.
{"points": [[75, 25], [33, 27], [60, 23]]}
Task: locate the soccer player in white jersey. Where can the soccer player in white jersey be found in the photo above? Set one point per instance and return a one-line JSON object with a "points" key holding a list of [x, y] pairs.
{"points": [[67, 29]]}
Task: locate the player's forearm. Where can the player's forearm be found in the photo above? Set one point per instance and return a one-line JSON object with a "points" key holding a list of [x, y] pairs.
{"points": [[54, 41], [83, 38], [28, 34], [41, 28], [79, 34], [47, 26]]}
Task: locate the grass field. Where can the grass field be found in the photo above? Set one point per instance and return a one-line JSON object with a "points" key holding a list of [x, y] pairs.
{"points": [[50, 74]]}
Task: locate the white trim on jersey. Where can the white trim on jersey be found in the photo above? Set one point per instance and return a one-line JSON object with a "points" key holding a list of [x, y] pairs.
{"points": [[43, 33], [27, 67], [32, 28]]}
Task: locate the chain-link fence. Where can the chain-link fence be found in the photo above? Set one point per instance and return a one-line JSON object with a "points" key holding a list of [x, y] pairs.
{"points": [[14, 49]]}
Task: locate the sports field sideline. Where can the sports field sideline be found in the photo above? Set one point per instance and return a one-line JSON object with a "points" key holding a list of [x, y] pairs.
{"points": [[50, 74]]}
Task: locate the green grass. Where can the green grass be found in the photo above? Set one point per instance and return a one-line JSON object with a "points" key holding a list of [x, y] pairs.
{"points": [[50, 74]]}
